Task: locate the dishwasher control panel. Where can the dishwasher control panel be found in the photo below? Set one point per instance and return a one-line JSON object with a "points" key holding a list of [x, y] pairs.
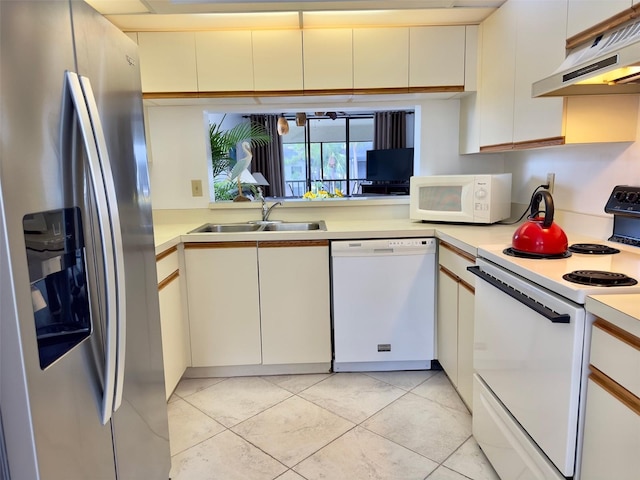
{"points": [[411, 242], [387, 246]]}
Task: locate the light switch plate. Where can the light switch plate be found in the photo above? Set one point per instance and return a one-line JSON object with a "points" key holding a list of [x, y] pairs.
{"points": [[196, 188]]}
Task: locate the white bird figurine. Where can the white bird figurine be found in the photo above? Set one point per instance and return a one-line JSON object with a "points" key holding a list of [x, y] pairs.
{"points": [[239, 167]]}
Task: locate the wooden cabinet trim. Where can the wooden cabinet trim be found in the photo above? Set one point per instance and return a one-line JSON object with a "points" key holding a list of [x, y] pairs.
{"points": [[166, 253], [205, 245], [168, 280], [617, 333], [458, 251], [449, 273], [524, 145], [611, 387], [302, 93], [468, 287], [292, 243], [599, 28], [539, 143]]}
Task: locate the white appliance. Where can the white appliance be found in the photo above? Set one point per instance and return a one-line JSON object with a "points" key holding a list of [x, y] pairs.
{"points": [[460, 198], [82, 391], [532, 334], [383, 294]]}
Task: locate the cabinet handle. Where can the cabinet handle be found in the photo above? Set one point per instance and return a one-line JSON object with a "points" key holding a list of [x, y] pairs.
{"points": [[521, 297]]}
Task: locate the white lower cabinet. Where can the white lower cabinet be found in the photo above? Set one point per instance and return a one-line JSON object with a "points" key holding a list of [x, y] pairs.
{"points": [[173, 322], [294, 302], [259, 304], [224, 303], [454, 324], [612, 419]]}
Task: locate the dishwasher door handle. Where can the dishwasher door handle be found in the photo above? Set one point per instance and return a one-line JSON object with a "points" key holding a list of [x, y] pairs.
{"points": [[521, 297]]}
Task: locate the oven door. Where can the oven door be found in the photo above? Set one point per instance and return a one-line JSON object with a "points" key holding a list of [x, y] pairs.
{"points": [[528, 350]]}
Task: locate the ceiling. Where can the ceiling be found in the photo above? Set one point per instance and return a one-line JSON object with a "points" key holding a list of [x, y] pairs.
{"points": [[183, 15]]}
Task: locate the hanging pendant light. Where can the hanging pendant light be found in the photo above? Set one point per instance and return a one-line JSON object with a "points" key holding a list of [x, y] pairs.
{"points": [[283, 126]]}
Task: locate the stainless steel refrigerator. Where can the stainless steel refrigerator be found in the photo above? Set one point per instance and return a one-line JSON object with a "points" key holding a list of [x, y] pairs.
{"points": [[81, 377]]}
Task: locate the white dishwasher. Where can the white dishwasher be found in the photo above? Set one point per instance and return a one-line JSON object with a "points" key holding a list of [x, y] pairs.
{"points": [[383, 294]]}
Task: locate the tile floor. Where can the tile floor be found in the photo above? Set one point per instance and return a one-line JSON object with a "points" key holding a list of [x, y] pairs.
{"points": [[374, 425]]}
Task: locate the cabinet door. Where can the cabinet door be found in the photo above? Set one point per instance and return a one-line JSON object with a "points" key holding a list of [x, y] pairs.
{"points": [[611, 437], [497, 77], [295, 304], [328, 59], [436, 56], [380, 57], [174, 336], [447, 323], [277, 59], [224, 309], [536, 57], [225, 61], [583, 14], [466, 302], [168, 61]]}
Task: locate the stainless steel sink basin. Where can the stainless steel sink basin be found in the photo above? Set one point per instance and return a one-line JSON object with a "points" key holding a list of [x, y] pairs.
{"points": [[275, 226], [227, 227], [294, 226]]}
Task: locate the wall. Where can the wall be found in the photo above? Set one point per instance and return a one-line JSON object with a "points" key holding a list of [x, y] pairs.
{"points": [[178, 142], [585, 177]]}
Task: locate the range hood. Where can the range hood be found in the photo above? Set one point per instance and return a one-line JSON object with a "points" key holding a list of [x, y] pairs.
{"points": [[607, 64]]}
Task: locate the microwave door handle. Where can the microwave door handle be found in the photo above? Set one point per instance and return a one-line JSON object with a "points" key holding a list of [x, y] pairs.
{"points": [[520, 297], [104, 227], [117, 252]]}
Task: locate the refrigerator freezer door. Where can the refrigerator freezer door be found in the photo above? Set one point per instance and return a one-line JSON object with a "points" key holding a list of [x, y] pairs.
{"points": [[140, 424], [51, 415]]}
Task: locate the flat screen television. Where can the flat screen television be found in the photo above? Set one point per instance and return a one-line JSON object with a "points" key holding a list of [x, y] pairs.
{"points": [[393, 165]]}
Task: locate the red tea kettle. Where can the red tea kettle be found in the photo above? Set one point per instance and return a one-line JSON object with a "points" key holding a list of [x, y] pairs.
{"points": [[539, 235]]}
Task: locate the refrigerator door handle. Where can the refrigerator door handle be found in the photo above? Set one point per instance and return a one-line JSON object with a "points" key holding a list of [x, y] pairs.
{"points": [[118, 250], [104, 226]]}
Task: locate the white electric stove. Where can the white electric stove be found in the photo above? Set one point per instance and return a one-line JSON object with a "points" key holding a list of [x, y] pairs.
{"points": [[531, 344], [549, 272]]}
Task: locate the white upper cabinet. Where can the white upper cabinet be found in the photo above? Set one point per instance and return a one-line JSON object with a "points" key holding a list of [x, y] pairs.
{"points": [[436, 56], [225, 61], [168, 61], [380, 57], [328, 59], [539, 52], [583, 14], [497, 77], [277, 60]]}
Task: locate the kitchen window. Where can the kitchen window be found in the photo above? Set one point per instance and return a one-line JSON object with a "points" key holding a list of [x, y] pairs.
{"points": [[327, 153]]}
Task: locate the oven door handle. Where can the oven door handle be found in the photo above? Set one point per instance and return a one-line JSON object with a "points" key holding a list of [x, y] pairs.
{"points": [[521, 297]]}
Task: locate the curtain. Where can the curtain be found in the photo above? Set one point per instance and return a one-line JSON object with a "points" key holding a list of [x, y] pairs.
{"points": [[389, 130], [267, 159]]}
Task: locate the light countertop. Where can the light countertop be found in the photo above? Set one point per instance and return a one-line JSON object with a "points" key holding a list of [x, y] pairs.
{"points": [[465, 237], [621, 310]]}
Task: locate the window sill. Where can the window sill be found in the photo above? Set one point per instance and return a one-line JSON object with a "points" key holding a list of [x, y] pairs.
{"points": [[315, 203]]}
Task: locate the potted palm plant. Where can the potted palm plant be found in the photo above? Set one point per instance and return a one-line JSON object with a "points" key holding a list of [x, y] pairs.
{"points": [[223, 148]]}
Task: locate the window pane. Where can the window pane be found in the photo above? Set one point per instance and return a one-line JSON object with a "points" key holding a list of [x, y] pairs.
{"points": [[360, 140]]}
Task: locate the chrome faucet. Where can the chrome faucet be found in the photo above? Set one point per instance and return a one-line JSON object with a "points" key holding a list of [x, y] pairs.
{"points": [[266, 211]]}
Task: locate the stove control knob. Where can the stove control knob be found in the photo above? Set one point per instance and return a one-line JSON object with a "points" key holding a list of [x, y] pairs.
{"points": [[632, 197], [620, 195]]}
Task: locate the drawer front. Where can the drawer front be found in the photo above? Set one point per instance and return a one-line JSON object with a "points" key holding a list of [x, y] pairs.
{"points": [[167, 263], [611, 437], [456, 261], [616, 353]]}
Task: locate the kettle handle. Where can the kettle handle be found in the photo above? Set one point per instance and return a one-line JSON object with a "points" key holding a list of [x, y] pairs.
{"points": [[548, 207]]}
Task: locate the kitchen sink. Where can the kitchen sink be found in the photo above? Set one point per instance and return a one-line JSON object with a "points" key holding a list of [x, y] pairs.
{"points": [[271, 226], [227, 227]]}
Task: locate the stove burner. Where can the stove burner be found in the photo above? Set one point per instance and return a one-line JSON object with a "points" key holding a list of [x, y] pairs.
{"points": [[538, 256], [599, 278], [593, 249]]}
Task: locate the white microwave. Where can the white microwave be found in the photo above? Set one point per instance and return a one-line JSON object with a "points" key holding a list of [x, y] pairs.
{"points": [[460, 198]]}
